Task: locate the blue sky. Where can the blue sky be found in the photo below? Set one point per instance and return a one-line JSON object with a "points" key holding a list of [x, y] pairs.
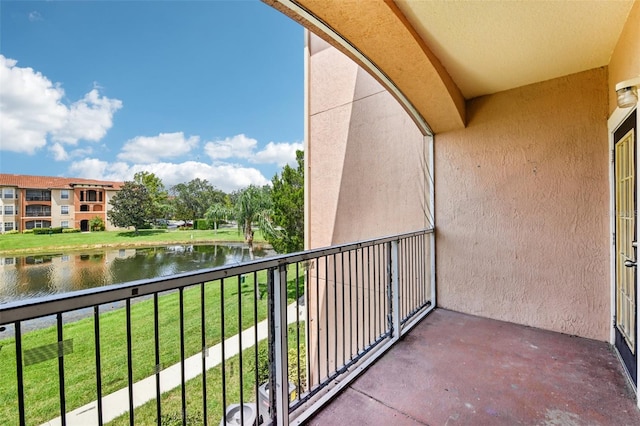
{"points": [[183, 89]]}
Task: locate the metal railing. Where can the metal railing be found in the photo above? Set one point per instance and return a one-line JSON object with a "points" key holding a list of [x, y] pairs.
{"points": [[199, 347], [38, 213]]}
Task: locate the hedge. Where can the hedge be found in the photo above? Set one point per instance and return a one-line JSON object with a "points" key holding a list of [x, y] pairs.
{"points": [[42, 231], [202, 224]]}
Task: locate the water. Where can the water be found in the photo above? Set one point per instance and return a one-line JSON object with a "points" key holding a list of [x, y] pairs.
{"points": [[23, 277]]}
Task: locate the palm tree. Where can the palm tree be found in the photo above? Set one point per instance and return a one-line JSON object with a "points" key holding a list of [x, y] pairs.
{"points": [[216, 213], [253, 205]]}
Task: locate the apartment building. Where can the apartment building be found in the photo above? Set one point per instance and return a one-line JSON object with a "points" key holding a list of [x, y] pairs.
{"points": [[28, 202]]}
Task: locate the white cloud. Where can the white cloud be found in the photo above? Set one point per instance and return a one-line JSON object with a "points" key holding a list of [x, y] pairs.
{"points": [[35, 16], [88, 119], [144, 149], [59, 153], [239, 146], [227, 177], [31, 111], [93, 168], [278, 153]]}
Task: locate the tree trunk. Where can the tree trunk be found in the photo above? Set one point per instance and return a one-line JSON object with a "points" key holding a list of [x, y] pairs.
{"points": [[248, 237]]}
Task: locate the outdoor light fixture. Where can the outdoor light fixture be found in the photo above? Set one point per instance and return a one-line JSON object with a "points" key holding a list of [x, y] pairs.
{"points": [[628, 92]]}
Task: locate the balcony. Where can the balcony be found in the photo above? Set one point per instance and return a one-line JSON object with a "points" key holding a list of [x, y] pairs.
{"points": [[136, 352], [455, 368], [353, 322], [37, 195], [37, 213]]}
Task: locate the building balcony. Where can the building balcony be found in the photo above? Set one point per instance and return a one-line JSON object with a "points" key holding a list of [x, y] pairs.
{"points": [[29, 214], [345, 334]]}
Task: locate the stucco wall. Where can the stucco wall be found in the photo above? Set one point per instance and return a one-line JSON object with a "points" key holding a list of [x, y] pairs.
{"points": [[364, 155], [522, 202], [625, 61]]}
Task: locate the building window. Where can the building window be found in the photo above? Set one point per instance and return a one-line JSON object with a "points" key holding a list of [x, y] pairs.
{"points": [[64, 224], [64, 194], [64, 209], [84, 208], [8, 226], [9, 260], [8, 210], [7, 193]]}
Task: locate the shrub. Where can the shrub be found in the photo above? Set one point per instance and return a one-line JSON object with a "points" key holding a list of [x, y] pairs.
{"points": [[70, 230], [27, 231], [96, 224], [202, 224], [15, 231], [44, 231]]}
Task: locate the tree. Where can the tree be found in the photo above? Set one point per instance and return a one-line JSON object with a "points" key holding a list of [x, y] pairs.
{"points": [[131, 206], [157, 192], [253, 205], [193, 199], [217, 213], [287, 196]]}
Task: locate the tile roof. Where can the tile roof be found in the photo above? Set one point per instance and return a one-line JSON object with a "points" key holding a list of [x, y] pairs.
{"points": [[50, 182]]}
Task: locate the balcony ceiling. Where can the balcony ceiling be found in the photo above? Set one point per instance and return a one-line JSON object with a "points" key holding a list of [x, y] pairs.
{"points": [[438, 54], [491, 46]]}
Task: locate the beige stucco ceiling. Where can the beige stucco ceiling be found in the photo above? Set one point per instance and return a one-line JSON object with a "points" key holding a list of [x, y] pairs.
{"points": [[490, 46]]}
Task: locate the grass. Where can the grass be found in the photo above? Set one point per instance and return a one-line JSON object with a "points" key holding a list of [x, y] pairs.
{"points": [[171, 402], [41, 379], [30, 243]]}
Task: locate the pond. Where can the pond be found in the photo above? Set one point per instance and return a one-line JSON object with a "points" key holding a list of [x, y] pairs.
{"points": [[23, 277]]}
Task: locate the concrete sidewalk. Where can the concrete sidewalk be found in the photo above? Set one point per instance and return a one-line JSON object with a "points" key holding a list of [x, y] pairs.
{"points": [[117, 403]]}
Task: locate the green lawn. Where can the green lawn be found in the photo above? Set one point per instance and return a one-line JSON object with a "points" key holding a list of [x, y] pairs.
{"points": [[171, 402], [41, 379], [30, 243]]}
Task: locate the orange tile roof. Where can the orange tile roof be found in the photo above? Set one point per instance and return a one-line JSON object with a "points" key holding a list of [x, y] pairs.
{"points": [[50, 182]]}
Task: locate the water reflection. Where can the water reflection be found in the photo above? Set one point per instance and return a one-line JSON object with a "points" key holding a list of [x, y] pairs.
{"points": [[24, 277]]}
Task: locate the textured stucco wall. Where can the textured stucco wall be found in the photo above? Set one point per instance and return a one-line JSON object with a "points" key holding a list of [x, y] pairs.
{"points": [[364, 155], [522, 218], [625, 61], [364, 159]]}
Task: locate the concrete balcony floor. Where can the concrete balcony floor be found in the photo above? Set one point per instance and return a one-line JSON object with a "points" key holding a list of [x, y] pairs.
{"points": [[458, 369]]}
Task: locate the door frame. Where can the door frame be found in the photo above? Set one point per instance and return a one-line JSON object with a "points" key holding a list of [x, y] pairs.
{"points": [[615, 120]]}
